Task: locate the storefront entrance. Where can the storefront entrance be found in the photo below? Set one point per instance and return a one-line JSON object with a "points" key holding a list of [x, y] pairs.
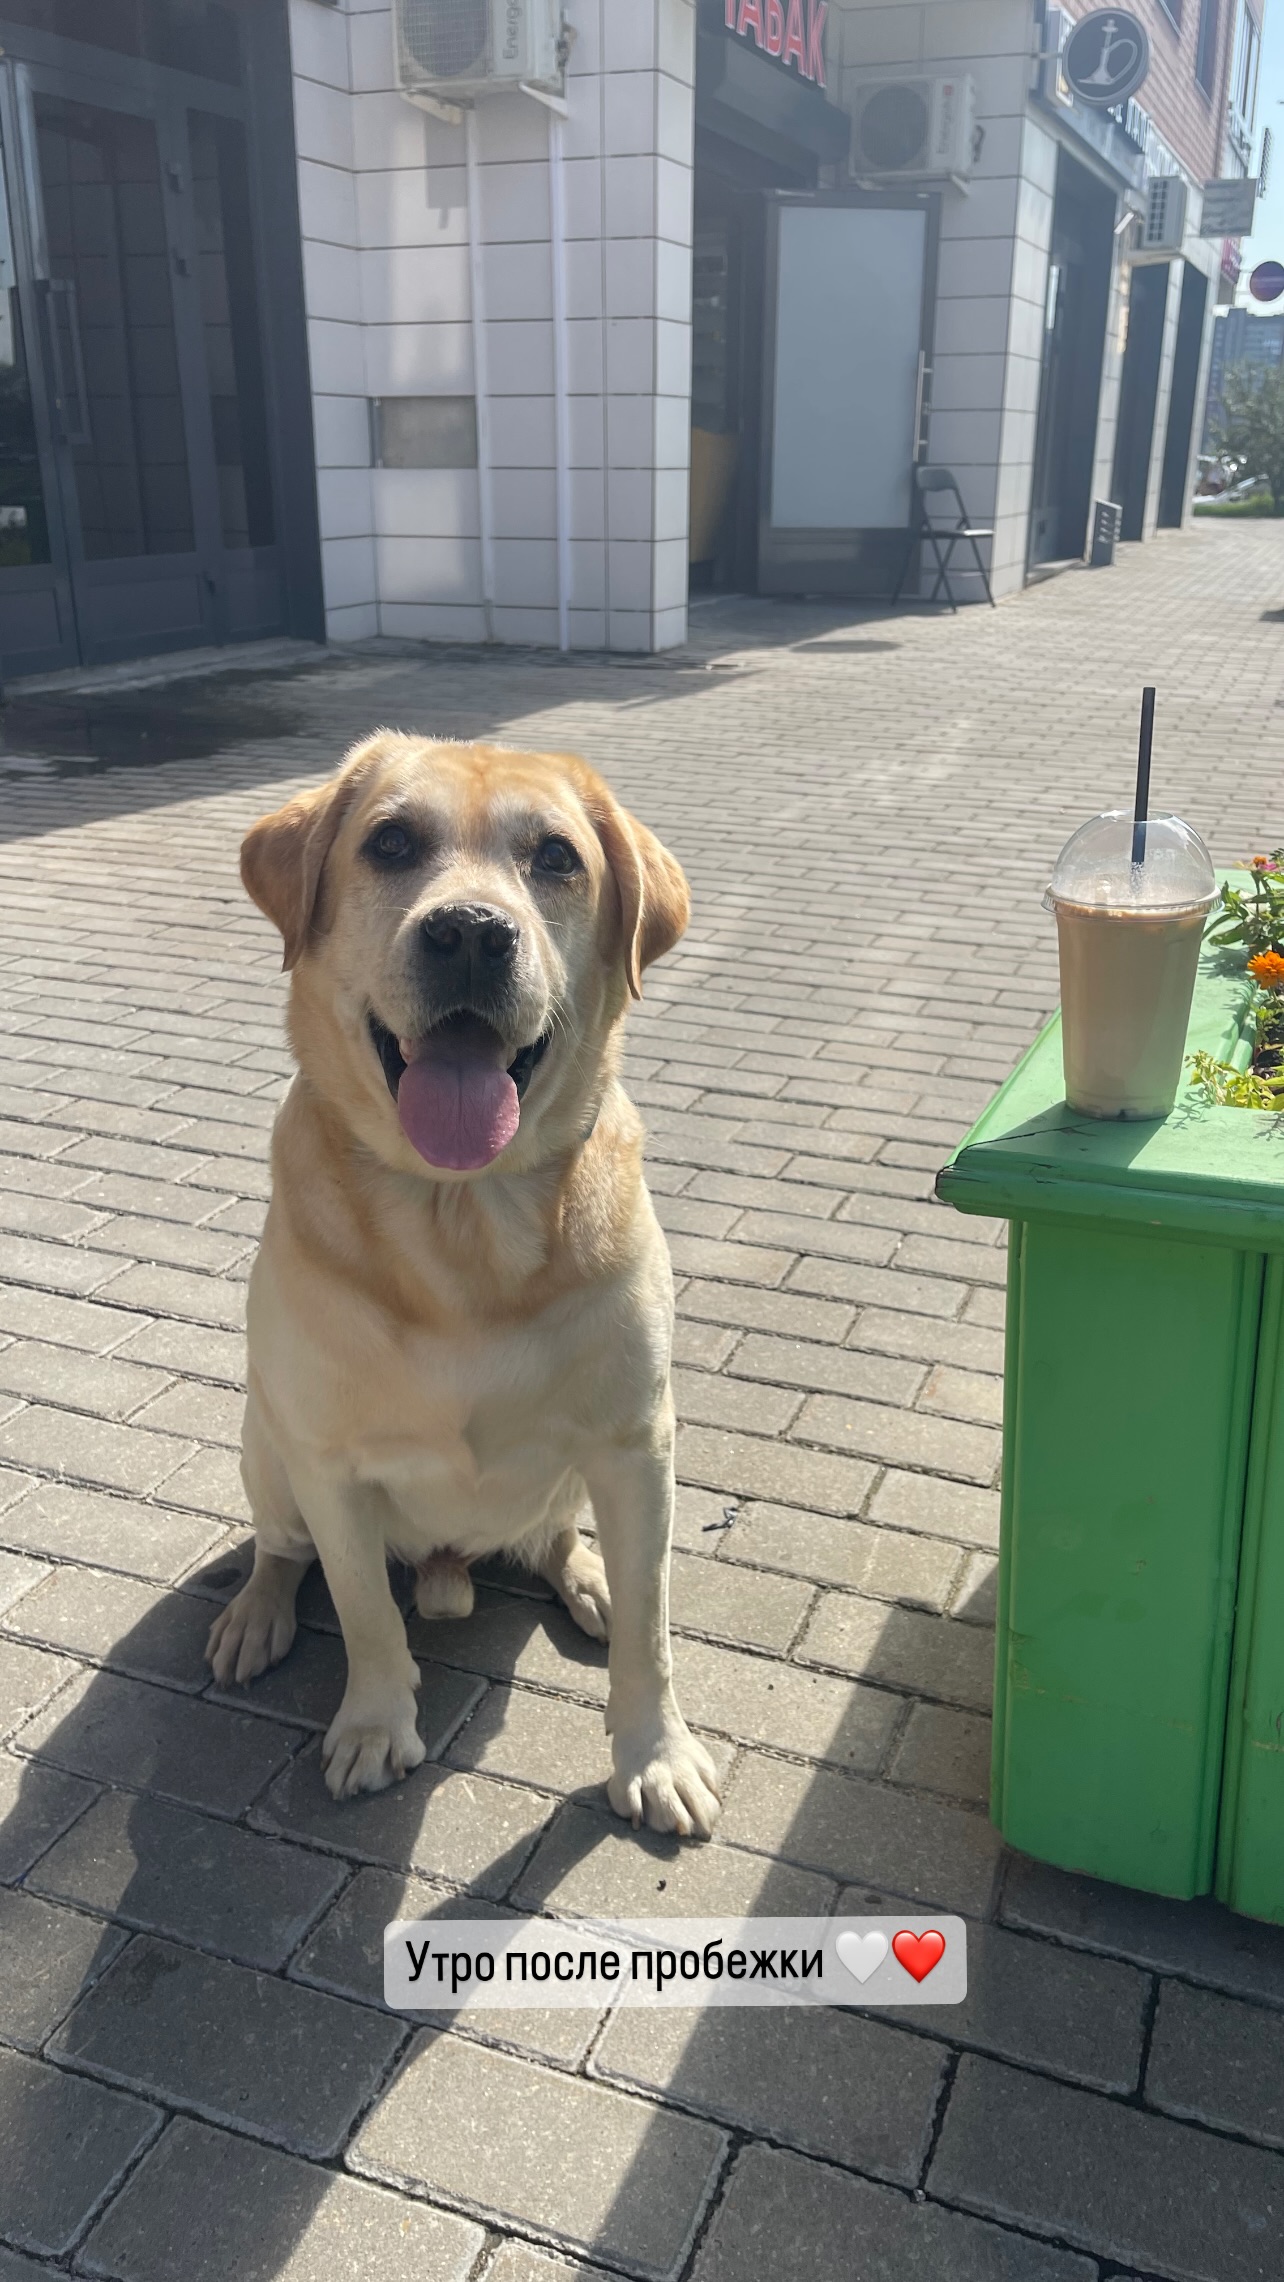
{"points": [[1139, 393], [1078, 294], [140, 502], [762, 128], [812, 320]]}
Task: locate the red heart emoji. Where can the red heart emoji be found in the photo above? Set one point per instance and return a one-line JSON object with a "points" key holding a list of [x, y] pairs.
{"points": [[919, 1953]]}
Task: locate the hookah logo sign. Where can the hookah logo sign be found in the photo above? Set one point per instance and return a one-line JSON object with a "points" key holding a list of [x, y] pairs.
{"points": [[1106, 58]]}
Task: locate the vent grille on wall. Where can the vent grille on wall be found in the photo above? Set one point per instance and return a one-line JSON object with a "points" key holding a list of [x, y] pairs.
{"points": [[447, 39], [1163, 224], [456, 49]]}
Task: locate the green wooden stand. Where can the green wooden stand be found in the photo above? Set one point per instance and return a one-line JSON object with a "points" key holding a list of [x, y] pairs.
{"points": [[1139, 1690]]}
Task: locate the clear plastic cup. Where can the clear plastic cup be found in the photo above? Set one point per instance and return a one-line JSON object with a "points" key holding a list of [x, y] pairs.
{"points": [[1129, 937]]}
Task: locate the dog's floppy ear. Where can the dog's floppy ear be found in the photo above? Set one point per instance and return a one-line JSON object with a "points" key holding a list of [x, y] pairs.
{"points": [[283, 855], [655, 901]]}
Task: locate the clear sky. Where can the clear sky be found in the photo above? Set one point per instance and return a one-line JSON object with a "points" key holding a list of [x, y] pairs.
{"points": [[1267, 241]]}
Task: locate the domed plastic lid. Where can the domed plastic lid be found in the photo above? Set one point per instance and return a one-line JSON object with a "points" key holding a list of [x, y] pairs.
{"points": [[1095, 867]]}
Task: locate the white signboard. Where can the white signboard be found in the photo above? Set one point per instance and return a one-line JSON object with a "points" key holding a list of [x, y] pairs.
{"points": [[1228, 207], [847, 340]]}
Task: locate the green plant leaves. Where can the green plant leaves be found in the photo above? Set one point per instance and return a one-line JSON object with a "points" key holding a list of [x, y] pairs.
{"points": [[1228, 1088]]}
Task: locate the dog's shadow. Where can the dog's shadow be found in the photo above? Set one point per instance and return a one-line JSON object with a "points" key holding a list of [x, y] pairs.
{"points": [[159, 1835], [193, 1923], [467, 1815]]}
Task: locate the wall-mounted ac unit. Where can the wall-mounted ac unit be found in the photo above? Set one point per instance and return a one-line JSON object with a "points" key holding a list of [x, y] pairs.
{"points": [[451, 51], [1161, 229], [920, 127]]}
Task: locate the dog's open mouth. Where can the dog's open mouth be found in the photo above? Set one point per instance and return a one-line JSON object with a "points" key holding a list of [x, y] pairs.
{"points": [[459, 1102]]}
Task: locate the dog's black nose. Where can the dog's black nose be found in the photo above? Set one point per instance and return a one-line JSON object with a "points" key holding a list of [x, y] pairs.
{"points": [[471, 932]]}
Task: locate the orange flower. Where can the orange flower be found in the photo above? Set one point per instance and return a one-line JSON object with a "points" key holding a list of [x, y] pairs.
{"points": [[1268, 969], [1259, 864]]}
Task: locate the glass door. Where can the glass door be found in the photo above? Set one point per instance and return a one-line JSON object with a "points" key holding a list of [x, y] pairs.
{"points": [[137, 507], [107, 259]]}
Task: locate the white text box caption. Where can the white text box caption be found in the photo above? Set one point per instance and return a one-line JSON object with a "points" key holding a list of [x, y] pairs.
{"points": [[466, 1964]]}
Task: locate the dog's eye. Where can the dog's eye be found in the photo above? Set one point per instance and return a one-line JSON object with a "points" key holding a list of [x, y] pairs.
{"points": [[391, 844], [557, 856]]}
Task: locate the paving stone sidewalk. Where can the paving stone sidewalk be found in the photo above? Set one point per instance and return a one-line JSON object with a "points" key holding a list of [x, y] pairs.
{"points": [[197, 2075]]}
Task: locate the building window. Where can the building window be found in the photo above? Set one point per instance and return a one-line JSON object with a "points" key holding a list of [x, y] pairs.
{"points": [[1248, 52], [1206, 45]]}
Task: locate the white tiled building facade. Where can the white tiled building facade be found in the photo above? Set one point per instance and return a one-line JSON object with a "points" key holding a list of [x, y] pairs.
{"points": [[541, 267], [389, 275]]}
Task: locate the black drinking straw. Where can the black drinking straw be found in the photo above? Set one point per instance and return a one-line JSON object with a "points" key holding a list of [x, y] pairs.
{"points": [[1141, 803]]}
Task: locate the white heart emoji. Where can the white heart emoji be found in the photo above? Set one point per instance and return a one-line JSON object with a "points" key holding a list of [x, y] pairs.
{"points": [[861, 1953]]}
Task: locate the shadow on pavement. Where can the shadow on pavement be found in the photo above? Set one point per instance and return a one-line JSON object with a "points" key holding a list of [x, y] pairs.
{"points": [[251, 727], [193, 1921], [213, 1944]]}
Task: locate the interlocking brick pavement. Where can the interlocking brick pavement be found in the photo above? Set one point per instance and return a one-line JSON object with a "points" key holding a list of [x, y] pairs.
{"points": [[197, 2075]]}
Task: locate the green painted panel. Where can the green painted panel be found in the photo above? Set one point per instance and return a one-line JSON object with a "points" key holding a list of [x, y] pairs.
{"points": [[1130, 1361], [1250, 1868], [1017, 1235]]}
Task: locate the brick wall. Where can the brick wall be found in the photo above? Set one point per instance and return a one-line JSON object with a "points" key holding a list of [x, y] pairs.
{"points": [[1191, 121]]}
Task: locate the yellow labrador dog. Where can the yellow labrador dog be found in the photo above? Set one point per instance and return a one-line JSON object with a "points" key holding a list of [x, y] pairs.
{"points": [[460, 1316]]}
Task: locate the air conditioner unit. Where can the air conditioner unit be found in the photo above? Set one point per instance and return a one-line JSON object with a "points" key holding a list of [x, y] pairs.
{"points": [[918, 127], [1161, 229], [451, 51]]}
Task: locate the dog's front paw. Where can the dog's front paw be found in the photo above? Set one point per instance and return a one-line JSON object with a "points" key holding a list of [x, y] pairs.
{"points": [[372, 1741], [254, 1630], [665, 1778]]}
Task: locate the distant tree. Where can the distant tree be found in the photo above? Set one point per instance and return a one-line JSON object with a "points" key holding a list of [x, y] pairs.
{"points": [[1251, 431]]}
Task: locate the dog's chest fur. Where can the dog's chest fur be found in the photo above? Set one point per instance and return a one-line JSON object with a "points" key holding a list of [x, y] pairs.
{"points": [[472, 1418], [482, 1428]]}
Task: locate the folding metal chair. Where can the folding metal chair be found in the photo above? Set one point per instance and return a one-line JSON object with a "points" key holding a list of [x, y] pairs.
{"points": [[943, 538]]}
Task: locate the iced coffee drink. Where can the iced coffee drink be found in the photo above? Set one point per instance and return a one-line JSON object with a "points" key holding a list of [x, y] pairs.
{"points": [[1129, 937]]}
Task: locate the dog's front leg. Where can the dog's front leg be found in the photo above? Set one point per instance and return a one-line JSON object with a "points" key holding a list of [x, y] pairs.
{"points": [[372, 1739], [662, 1775]]}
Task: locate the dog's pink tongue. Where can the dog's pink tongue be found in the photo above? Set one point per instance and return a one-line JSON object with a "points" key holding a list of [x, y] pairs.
{"points": [[457, 1103]]}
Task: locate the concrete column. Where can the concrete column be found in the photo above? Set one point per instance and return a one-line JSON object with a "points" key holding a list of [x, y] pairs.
{"points": [[323, 128]]}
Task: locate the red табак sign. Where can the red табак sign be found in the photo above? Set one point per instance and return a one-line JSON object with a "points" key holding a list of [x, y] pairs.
{"points": [[789, 32]]}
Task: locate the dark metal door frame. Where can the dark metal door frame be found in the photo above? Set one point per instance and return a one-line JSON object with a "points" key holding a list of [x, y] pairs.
{"points": [[1179, 435], [53, 577], [133, 95], [1148, 294], [1072, 354], [244, 590]]}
